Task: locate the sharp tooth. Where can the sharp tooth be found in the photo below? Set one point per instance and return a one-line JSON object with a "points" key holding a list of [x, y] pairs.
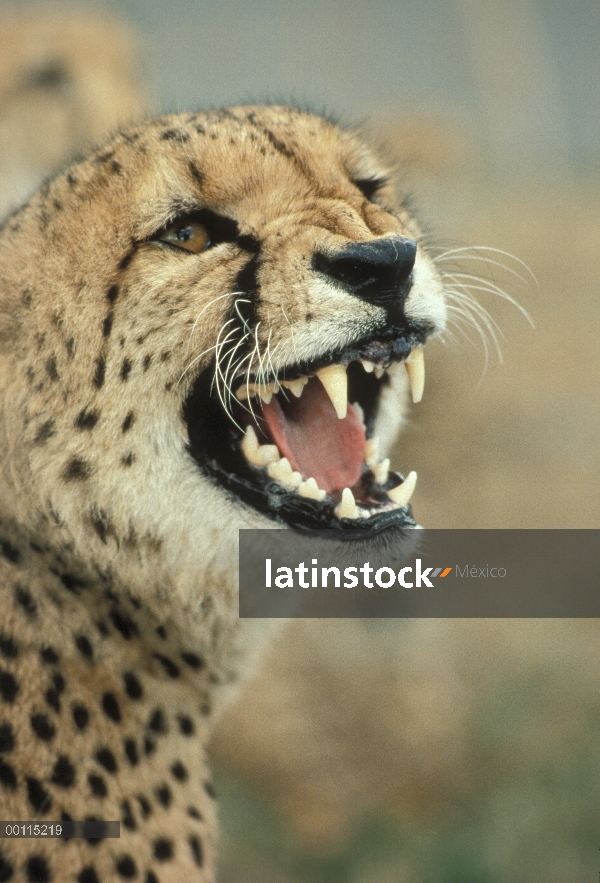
{"points": [[368, 366], [360, 412], [347, 508], [415, 365], [265, 393], [296, 386], [381, 471], [282, 472], [311, 490], [401, 495], [264, 390], [379, 372], [258, 455], [335, 381], [372, 452]]}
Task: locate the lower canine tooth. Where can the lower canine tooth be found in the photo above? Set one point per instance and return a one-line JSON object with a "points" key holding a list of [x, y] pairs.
{"points": [[415, 366], [347, 508], [311, 490], [335, 381], [258, 455], [379, 372], [401, 495], [282, 472]]}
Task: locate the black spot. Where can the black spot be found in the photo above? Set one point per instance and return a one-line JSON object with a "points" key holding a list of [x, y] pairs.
{"points": [[88, 875], [81, 716], [106, 758], [45, 431], [131, 752], [93, 841], [127, 422], [97, 785], [86, 419], [186, 725], [147, 361], [127, 460], [133, 688], [8, 686], [76, 470], [123, 624], [165, 355], [149, 746], [99, 372], [151, 878], [116, 167], [158, 722], [210, 790], [8, 777], [145, 806], [107, 324], [59, 682], [42, 727], [179, 771], [110, 707], [37, 869], [8, 648], [49, 655], [163, 795], [7, 738], [52, 698], [38, 796], [161, 632], [71, 583], [126, 867], [125, 369], [168, 665], [196, 847], [24, 600], [205, 708], [135, 602], [101, 524], [163, 849], [192, 660], [194, 814], [103, 628], [6, 870], [112, 293], [51, 368], [70, 345], [127, 816], [83, 645], [63, 774]]}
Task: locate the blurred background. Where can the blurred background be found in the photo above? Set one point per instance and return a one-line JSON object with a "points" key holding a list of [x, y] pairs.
{"points": [[426, 751]]}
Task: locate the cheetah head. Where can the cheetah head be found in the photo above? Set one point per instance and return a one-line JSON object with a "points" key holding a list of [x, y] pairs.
{"points": [[211, 323]]}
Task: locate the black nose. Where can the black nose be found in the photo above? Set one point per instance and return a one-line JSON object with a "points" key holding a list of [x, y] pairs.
{"points": [[377, 271]]}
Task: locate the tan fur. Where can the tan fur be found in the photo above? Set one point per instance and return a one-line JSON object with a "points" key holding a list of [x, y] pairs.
{"points": [[107, 524]]}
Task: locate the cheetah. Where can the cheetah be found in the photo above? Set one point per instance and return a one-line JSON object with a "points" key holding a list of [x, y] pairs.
{"points": [[211, 323]]}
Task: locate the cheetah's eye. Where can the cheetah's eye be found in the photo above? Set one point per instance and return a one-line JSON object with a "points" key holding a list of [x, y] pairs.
{"points": [[188, 235], [370, 186]]}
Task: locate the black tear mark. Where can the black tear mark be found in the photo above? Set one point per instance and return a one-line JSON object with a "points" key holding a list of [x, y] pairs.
{"points": [[77, 470], [86, 420], [197, 174]]}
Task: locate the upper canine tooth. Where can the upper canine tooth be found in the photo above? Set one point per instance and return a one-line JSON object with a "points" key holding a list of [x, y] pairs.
{"points": [[296, 386], [311, 490], [372, 451], [335, 381], [415, 365], [401, 495], [347, 508], [368, 366]]}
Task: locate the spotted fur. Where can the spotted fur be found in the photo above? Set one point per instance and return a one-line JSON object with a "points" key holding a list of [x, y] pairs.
{"points": [[120, 638]]}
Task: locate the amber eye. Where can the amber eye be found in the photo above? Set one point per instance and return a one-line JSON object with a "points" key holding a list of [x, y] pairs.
{"points": [[187, 235]]}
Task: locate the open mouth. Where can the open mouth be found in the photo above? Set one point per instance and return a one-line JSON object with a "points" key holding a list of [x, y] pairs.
{"points": [[301, 446]]}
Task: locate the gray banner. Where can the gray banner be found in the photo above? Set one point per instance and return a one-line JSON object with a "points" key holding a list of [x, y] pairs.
{"points": [[421, 573]]}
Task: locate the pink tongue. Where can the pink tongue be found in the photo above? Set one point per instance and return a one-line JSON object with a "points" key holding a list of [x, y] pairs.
{"points": [[318, 445]]}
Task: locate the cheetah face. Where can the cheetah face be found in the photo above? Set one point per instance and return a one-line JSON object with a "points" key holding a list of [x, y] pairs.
{"points": [[226, 313]]}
